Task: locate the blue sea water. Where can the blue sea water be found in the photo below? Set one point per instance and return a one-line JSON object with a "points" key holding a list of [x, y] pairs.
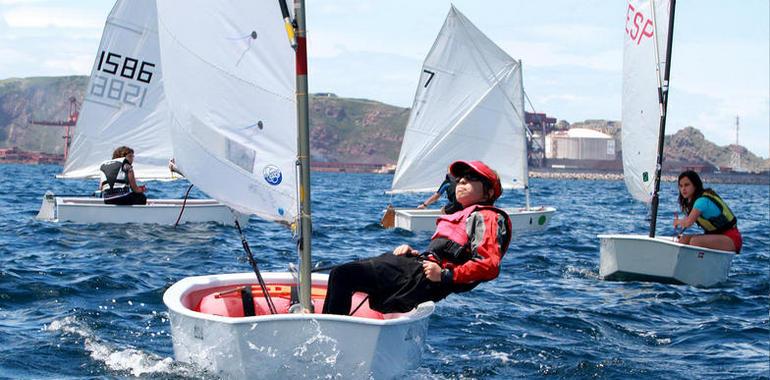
{"points": [[85, 301]]}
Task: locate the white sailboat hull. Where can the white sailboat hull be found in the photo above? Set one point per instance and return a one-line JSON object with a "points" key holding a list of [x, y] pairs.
{"points": [[660, 259], [88, 210], [291, 345], [522, 220]]}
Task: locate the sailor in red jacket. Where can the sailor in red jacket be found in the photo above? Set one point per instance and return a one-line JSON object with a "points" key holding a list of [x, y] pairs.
{"points": [[465, 250]]}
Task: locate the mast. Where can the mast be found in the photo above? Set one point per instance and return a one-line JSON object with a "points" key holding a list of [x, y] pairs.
{"points": [[663, 100], [303, 144], [523, 119]]}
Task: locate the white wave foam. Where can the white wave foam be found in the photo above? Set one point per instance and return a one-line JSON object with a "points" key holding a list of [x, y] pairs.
{"points": [[582, 272], [130, 360]]}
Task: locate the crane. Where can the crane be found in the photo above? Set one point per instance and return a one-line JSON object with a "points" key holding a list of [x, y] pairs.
{"points": [[72, 119]]}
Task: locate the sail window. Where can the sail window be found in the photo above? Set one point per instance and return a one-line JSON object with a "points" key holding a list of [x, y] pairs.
{"points": [[240, 155]]}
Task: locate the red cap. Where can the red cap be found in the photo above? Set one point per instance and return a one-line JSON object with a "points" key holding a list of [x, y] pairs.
{"points": [[458, 168]]}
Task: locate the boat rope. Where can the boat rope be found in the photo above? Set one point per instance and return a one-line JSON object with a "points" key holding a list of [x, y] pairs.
{"points": [[184, 203], [359, 305], [254, 266]]}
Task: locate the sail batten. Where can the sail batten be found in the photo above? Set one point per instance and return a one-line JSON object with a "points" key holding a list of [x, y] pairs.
{"points": [[468, 106], [124, 102]]}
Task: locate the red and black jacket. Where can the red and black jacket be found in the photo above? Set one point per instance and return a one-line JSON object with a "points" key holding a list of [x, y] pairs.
{"points": [[469, 245]]}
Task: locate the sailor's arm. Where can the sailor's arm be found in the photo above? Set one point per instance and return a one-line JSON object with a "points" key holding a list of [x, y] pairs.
{"points": [[132, 182]]}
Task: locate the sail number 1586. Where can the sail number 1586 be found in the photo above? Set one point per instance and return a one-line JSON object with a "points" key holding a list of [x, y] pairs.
{"points": [[126, 67]]}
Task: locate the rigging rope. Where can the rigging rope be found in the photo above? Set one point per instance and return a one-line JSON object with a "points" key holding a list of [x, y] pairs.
{"points": [[254, 266], [184, 203]]}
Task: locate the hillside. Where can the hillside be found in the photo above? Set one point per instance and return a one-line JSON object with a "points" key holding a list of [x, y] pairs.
{"points": [[690, 142], [42, 98], [341, 129], [685, 145]]}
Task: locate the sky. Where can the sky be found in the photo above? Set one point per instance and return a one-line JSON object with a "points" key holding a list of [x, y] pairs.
{"points": [[572, 53]]}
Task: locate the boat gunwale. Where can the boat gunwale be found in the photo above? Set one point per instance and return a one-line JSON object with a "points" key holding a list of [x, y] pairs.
{"points": [[415, 212], [151, 203], [173, 296], [667, 240]]}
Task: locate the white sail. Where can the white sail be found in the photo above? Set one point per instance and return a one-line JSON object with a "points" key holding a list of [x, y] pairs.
{"points": [[124, 102], [644, 61], [469, 105], [230, 85]]}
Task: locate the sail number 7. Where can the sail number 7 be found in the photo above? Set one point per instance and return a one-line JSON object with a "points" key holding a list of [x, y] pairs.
{"points": [[637, 25]]}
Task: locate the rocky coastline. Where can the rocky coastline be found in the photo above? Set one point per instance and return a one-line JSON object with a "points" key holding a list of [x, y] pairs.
{"points": [[733, 178]]}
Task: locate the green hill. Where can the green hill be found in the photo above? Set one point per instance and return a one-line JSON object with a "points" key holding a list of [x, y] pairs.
{"points": [[341, 129]]}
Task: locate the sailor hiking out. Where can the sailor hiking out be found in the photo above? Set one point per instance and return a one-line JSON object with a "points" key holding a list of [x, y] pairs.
{"points": [[465, 250]]}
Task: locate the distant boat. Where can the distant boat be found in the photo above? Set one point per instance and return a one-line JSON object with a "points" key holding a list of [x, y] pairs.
{"points": [[125, 105], [646, 67], [469, 105], [231, 81]]}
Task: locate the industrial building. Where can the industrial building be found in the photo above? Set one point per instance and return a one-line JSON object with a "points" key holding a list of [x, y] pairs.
{"points": [[580, 144]]}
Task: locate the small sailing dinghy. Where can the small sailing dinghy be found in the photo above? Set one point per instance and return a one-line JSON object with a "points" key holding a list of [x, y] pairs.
{"points": [[646, 67], [125, 105], [469, 105], [241, 136]]}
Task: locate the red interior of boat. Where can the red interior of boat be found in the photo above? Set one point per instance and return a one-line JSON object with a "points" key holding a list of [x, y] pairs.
{"points": [[228, 302]]}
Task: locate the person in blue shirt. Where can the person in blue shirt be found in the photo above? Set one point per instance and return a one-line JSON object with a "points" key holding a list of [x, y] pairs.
{"points": [[447, 187], [710, 212]]}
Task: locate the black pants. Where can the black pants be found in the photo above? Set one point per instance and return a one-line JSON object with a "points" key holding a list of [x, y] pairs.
{"points": [[393, 283], [129, 199]]}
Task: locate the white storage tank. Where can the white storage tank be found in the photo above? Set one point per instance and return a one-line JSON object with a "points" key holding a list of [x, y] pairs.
{"points": [[579, 144]]}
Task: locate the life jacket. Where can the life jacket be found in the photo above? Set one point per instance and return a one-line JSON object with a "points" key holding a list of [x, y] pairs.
{"points": [[113, 174], [720, 223], [451, 241]]}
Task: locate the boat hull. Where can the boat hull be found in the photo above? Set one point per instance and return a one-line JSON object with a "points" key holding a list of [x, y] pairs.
{"points": [[660, 259], [291, 345], [88, 210], [522, 220]]}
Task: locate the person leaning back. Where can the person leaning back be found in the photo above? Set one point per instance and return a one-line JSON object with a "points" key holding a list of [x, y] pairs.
{"points": [[465, 250]]}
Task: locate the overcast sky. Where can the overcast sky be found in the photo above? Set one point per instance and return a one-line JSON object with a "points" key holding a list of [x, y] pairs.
{"points": [[572, 53]]}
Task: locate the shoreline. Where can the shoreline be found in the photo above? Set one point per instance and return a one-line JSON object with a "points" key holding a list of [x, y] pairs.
{"points": [[732, 178]]}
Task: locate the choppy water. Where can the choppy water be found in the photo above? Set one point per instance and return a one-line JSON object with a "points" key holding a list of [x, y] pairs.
{"points": [[85, 301]]}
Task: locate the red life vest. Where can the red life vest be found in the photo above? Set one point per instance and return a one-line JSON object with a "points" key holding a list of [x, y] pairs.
{"points": [[454, 228], [451, 245]]}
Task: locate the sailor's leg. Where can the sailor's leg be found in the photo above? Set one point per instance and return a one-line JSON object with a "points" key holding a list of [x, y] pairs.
{"points": [[345, 280], [715, 241]]}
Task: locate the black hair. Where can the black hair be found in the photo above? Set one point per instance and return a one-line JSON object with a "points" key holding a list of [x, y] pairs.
{"points": [[684, 203]]}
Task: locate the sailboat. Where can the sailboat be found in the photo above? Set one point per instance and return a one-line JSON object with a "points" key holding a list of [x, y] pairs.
{"points": [[242, 136], [469, 105], [125, 105], [646, 68]]}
